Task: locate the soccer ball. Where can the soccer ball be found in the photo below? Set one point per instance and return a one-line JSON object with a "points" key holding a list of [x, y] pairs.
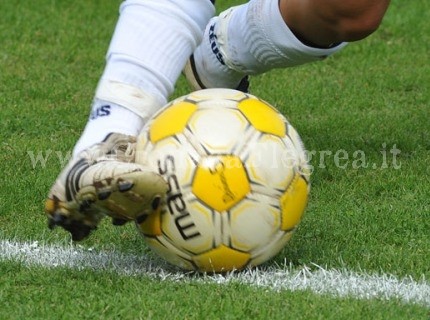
{"points": [[238, 180]]}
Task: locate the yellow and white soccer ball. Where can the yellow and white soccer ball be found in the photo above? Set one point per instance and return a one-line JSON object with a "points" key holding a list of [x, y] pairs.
{"points": [[238, 180]]}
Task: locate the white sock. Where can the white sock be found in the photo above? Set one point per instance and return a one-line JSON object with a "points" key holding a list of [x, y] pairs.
{"points": [[152, 41], [106, 118], [251, 39]]}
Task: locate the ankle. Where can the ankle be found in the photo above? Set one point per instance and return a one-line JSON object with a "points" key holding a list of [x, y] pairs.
{"points": [[106, 118], [212, 59]]}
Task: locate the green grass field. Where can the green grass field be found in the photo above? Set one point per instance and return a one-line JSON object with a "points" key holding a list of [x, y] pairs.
{"points": [[363, 113]]}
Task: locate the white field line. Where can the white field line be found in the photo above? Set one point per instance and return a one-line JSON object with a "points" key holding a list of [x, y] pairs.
{"points": [[339, 283]]}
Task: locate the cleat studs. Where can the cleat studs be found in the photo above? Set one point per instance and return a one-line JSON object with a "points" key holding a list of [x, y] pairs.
{"points": [[140, 219], [103, 195], [79, 230], [85, 205], [118, 221], [124, 186], [156, 203], [57, 219]]}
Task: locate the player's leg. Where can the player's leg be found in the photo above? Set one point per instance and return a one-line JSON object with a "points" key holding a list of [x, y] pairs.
{"points": [[264, 34], [151, 42], [324, 22]]}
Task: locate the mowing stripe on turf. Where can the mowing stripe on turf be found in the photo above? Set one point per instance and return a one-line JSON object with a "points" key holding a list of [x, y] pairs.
{"points": [[340, 283]]}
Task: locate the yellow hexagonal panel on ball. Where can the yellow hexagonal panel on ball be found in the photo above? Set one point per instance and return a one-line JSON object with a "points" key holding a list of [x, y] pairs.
{"points": [[221, 259], [293, 203], [263, 117], [221, 182], [171, 121]]}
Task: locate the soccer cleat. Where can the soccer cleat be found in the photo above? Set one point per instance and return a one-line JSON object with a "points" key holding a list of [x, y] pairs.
{"points": [[192, 76], [103, 181]]}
